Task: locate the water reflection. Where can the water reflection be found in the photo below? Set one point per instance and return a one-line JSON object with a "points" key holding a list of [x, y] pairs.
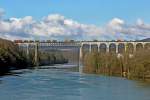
{"points": [[61, 84]]}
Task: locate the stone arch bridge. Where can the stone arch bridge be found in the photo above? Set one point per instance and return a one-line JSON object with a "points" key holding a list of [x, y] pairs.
{"points": [[88, 46]]}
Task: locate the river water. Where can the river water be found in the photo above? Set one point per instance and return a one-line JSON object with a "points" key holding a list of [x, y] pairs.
{"points": [[62, 84]]}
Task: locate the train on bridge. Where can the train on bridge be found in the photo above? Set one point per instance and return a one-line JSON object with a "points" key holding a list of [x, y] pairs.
{"points": [[65, 41], [43, 41]]}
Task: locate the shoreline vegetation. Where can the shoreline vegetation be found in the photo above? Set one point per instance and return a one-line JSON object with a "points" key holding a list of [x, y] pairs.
{"points": [[131, 66], [13, 58]]}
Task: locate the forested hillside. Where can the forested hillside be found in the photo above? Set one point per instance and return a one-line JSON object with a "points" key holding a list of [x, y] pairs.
{"points": [[13, 58], [10, 57]]}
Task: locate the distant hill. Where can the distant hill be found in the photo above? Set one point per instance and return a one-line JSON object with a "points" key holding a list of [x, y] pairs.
{"points": [[145, 40]]}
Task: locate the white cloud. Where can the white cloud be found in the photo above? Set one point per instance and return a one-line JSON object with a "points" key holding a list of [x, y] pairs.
{"points": [[55, 26], [116, 22]]}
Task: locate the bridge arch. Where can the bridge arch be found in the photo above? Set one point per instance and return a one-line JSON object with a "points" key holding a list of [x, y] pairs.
{"points": [[130, 48], [86, 46], [85, 49], [103, 47], [112, 48], [147, 46], [139, 46], [94, 48], [121, 47]]}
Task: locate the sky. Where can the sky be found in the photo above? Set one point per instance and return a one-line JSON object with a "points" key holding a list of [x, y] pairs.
{"points": [[75, 19]]}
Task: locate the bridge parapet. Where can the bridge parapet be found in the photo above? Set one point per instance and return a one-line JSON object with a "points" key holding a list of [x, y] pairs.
{"points": [[82, 43]]}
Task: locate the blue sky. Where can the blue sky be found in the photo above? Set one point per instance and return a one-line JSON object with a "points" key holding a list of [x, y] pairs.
{"points": [[75, 19], [85, 11]]}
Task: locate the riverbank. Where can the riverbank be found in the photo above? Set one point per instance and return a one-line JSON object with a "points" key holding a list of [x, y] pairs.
{"points": [[135, 66], [13, 58]]}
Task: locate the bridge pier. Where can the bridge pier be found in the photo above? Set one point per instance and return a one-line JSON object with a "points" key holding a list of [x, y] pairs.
{"points": [[80, 59], [27, 51], [143, 45], [125, 47], [117, 48], [134, 47], [90, 49], [36, 55], [107, 48], [98, 47]]}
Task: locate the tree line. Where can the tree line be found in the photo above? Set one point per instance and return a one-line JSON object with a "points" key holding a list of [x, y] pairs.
{"points": [[136, 65]]}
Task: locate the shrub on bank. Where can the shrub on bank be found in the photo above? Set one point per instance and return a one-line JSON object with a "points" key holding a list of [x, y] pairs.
{"points": [[135, 65]]}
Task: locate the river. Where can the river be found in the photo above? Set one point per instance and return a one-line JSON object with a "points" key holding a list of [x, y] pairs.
{"points": [[62, 84]]}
